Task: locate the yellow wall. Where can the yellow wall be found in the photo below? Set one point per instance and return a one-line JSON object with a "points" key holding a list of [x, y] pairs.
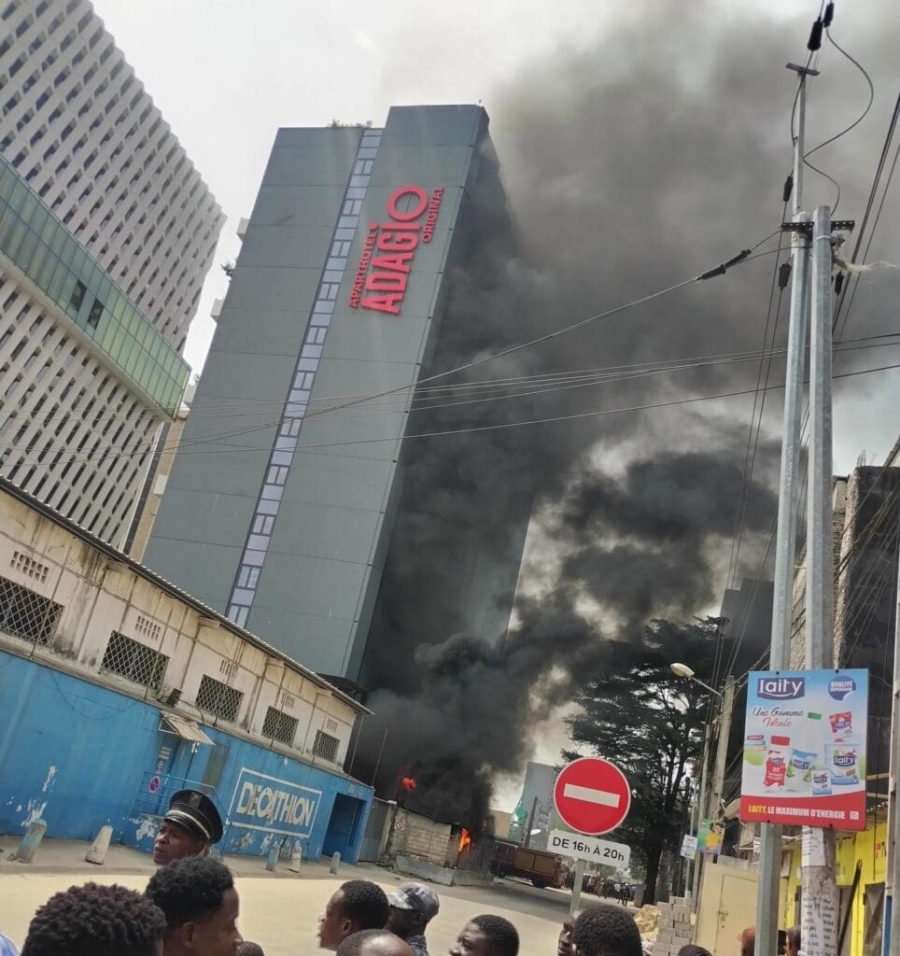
{"points": [[869, 849]]}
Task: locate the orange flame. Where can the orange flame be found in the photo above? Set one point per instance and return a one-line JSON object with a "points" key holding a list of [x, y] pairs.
{"points": [[408, 783], [464, 839]]}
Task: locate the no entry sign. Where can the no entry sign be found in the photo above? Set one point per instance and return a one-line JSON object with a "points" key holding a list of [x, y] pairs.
{"points": [[592, 796]]}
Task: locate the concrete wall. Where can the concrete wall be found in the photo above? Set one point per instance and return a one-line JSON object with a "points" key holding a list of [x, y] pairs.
{"points": [[80, 755], [421, 838]]}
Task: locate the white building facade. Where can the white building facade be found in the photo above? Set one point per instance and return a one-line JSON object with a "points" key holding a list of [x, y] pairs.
{"points": [[106, 234]]}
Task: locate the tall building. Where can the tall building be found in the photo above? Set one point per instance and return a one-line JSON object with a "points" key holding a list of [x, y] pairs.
{"points": [[291, 502], [106, 234]]}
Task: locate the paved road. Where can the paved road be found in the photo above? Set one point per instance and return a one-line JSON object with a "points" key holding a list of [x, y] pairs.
{"points": [[280, 914]]}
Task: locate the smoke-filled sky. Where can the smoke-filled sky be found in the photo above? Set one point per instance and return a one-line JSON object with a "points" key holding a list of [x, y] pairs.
{"points": [[640, 145]]}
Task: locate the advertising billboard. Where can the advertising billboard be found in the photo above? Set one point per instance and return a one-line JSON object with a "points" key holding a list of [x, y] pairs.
{"points": [[804, 760]]}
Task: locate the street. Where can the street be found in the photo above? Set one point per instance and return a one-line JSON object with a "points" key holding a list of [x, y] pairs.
{"points": [[280, 913]]}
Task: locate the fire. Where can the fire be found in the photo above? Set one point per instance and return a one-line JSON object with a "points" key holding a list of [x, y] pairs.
{"points": [[408, 783], [464, 839]]}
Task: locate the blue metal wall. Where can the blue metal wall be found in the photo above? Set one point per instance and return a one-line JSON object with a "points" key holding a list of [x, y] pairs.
{"points": [[80, 756]]}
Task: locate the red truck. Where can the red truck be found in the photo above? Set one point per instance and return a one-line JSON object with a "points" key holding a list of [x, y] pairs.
{"points": [[540, 866]]}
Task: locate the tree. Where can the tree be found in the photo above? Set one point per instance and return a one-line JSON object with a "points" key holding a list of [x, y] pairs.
{"points": [[651, 724]]}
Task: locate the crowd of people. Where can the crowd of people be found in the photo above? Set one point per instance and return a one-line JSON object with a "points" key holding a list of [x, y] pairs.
{"points": [[191, 908]]}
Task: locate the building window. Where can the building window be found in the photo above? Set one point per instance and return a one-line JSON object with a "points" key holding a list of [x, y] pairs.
{"points": [[219, 698], [326, 746], [96, 312], [134, 661], [25, 614], [78, 295], [280, 726]]}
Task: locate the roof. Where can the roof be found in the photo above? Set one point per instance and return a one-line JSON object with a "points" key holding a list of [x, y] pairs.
{"points": [[14, 491]]}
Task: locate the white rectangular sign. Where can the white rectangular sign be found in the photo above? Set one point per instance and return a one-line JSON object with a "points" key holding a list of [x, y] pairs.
{"points": [[689, 846], [591, 849]]}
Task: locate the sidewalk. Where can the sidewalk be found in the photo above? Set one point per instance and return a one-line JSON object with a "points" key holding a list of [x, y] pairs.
{"points": [[67, 856]]}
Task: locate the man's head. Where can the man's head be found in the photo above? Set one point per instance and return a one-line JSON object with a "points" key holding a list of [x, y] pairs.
{"points": [[201, 907], [606, 930], [93, 920], [747, 939], [692, 950], [374, 942], [564, 942], [413, 906], [250, 949], [487, 936], [191, 824], [792, 942], [357, 905]]}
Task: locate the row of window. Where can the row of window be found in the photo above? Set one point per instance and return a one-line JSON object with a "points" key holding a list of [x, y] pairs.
{"points": [[72, 95], [32, 617], [32, 238], [71, 433], [282, 455]]}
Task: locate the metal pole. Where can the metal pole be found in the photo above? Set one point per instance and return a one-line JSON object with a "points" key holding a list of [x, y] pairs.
{"points": [[701, 809], [819, 916], [779, 655], [534, 804], [722, 748], [891, 939]]}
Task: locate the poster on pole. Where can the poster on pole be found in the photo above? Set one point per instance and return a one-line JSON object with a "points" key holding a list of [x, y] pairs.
{"points": [[688, 846], [804, 760]]}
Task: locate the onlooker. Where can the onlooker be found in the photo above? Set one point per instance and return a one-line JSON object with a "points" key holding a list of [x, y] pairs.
{"points": [[201, 907], [374, 942], [691, 950], [7, 948], [357, 905], [606, 930], [94, 920], [792, 942], [191, 825], [413, 906], [564, 943], [487, 936], [747, 939]]}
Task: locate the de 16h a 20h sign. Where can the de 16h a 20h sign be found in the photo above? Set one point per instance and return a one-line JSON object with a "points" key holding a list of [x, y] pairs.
{"points": [[805, 748]]}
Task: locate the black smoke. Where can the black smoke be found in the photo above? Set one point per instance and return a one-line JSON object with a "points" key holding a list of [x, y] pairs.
{"points": [[649, 154]]}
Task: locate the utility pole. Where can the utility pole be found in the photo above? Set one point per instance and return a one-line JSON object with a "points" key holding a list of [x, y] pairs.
{"points": [[819, 915], [891, 937], [701, 809], [722, 748], [779, 655]]}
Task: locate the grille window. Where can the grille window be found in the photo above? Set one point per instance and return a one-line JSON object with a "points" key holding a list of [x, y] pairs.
{"points": [[279, 726], [25, 614], [326, 746], [219, 698], [134, 661]]}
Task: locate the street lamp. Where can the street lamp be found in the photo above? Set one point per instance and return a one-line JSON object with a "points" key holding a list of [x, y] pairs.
{"points": [[727, 699], [682, 670]]}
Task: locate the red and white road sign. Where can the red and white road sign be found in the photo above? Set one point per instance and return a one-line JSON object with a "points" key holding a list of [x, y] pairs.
{"points": [[592, 796]]}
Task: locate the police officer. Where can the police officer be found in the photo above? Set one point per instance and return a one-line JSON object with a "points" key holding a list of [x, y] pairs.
{"points": [[191, 825]]}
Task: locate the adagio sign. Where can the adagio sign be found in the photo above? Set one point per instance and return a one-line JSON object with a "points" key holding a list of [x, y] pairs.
{"points": [[390, 248]]}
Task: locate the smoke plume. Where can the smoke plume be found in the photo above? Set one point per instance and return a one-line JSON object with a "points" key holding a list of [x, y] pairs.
{"points": [[647, 156]]}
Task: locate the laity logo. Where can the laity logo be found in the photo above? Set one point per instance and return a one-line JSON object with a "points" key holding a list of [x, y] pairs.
{"points": [[781, 688], [390, 247]]}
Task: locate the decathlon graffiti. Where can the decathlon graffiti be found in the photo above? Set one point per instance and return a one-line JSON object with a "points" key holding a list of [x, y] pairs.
{"points": [[260, 802]]}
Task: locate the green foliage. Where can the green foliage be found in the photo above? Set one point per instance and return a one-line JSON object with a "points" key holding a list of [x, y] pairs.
{"points": [[650, 723]]}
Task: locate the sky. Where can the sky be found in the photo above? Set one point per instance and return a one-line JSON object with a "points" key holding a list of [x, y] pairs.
{"points": [[572, 75]]}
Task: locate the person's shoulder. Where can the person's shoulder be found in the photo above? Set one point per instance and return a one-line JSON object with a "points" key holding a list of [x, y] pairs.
{"points": [[418, 945], [7, 947]]}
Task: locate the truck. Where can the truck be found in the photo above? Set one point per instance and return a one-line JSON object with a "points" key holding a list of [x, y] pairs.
{"points": [[542, 867]]}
